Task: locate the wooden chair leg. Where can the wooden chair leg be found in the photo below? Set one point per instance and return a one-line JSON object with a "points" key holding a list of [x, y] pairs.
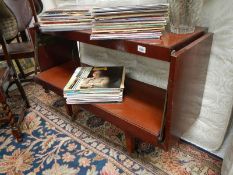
{"points": [[22, 115], [130, 143], [8, 87], [37, 67], [7, 112], [21, 74], [22, 92], [17, 133], [14, 127]]}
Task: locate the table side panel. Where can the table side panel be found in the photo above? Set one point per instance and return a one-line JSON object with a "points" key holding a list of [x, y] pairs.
{"points": [[53, 50], [188, 72]]}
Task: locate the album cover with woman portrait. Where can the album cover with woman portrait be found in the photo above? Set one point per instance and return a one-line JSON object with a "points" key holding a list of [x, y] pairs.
{"points": [[104, 77], [91, 78]]}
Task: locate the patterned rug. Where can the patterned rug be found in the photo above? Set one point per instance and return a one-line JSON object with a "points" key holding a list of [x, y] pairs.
{"points": [[52, 145], [55, 145]]}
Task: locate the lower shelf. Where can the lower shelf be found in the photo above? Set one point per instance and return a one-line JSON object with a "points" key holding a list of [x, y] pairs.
{"points": [[140, 114]]}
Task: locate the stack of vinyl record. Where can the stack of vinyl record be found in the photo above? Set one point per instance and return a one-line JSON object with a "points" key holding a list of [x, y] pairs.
{"points": [[66, 18], [95, 85], [129, 22]]}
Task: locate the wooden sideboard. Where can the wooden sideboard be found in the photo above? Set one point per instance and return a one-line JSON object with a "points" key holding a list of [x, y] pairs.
{"points": [[147, 112]]}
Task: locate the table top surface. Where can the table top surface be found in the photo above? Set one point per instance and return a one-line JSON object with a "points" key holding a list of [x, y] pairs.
{"points": [[154, 48]]}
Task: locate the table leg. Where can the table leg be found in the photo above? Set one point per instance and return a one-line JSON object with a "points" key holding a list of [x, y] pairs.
{"points": [[130, 143]]}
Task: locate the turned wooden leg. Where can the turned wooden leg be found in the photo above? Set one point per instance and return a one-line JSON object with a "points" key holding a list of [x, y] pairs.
{"points": [[14, 127], [15, 130], [130, 143], [7, 112], [17, 133]]}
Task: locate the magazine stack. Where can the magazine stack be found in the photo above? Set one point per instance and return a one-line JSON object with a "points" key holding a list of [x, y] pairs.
{"points": [[129, 22], [65, 18], [95, 85]]}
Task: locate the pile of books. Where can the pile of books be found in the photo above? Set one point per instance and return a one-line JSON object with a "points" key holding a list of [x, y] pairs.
{"points": [[65, 18], [129, 22], [95, 85]]}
